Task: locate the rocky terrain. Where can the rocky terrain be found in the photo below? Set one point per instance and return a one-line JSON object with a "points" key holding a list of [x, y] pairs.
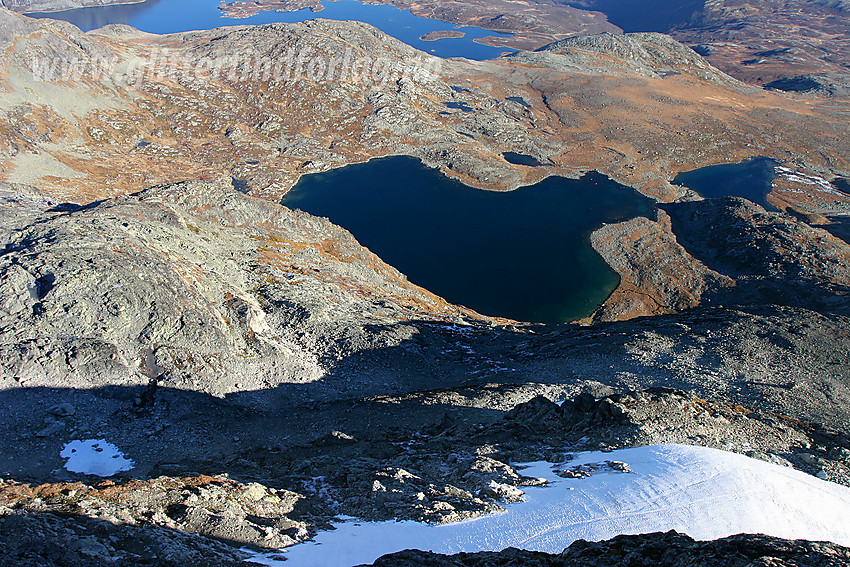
{"points": [[267, 374], [798, 43], [528, 25], [768, 41], [454, 468], [120, 109], [638, 108], [660, 549], [91, 324], [793, 45], [180, 284]]}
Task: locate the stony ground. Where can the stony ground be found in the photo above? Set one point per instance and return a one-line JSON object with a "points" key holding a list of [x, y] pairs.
{"points": [[639, 108], [450, 469], [306, 379], [266, 373], [659, 549], [798, 43]]}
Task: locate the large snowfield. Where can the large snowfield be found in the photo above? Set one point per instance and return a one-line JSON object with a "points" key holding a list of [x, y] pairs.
{"points": [[702, 492]]}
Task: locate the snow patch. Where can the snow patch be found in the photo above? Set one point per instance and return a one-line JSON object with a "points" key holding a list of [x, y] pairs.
{"points": [[802, 178], [96, 457], [705, 493]]}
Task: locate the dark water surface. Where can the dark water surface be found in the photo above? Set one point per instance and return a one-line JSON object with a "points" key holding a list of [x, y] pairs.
{"points": [[751, 179], [520, 100], [842, 184], [522, 254], [644, 15], [521, 159], [173, 16]]}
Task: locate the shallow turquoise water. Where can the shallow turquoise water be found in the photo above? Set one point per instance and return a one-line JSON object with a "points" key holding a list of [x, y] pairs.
{"points": [[172, 16], [522, 254], [751, 179]]}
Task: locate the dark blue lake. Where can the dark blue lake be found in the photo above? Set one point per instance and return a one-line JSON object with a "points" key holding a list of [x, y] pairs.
{"points": [[172, 16], [521, 254], [644, 15], [751, 179]]}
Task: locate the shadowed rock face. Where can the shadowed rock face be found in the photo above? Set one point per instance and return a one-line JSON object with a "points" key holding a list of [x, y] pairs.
{"points": [[725, 251], [772, 257], [661, 549], [274, 497]]}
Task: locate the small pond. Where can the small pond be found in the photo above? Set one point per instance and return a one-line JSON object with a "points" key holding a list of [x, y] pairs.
{"points": [[751, 179], [521, 159], [842, 184]]}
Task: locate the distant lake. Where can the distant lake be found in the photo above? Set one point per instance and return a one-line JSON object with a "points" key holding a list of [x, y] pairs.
{"points": [[173, 16], [751, 179], [521, 254], [644, 16]]}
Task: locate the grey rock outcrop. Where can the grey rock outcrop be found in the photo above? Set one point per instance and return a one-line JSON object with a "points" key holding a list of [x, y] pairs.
{"points": [[193, 286], [669, 549], [649, 54], [214, 508]]}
